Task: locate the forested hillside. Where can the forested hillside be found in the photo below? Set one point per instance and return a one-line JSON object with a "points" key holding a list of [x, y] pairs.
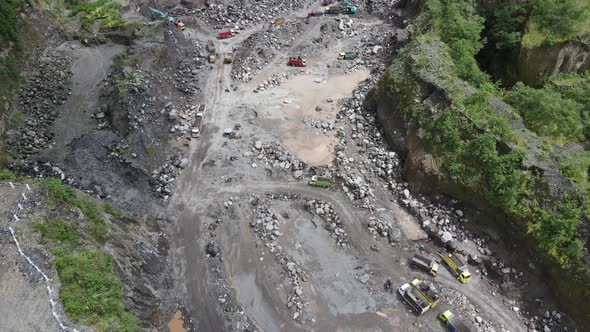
{"points": [[520, 146]]}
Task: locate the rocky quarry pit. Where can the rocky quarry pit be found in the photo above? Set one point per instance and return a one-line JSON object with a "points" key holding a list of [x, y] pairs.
{"points": [[200, 181]]}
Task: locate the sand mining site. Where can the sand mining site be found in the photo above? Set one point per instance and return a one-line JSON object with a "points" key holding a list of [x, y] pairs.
{"points": [[263, 193]]}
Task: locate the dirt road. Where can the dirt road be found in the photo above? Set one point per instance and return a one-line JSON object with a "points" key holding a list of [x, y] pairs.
{"points": [[220, 168]]}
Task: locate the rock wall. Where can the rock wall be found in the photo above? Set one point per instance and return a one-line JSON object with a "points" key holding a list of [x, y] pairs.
{"points": [[537, 63], [421, 92]]}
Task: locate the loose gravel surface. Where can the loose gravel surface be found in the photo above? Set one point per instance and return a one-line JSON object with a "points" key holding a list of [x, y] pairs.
{"points": [[253, 246]]}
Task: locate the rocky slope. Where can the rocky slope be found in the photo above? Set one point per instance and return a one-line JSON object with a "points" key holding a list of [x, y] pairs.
{"points": [[417, 100]]}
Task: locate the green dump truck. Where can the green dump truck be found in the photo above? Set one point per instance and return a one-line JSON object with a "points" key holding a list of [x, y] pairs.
{"points": [[347, 56], [321, 182]]}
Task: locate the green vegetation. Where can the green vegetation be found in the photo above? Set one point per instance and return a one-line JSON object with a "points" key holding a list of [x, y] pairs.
{"points": [[507, 24], [458, 25], [556, 20], [107, 11], [113, 210], [9, 22], [481, 144], [59, 192], [91, 291], [59, 231], [548, 114]]}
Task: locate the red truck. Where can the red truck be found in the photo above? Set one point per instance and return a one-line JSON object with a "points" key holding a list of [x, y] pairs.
{"points": [[226, 34], [297, 62]]}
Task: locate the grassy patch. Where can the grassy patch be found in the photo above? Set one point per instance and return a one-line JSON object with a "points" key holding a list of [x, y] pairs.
{"points": [[91, 291], [59, 192], [8, 175], [113, 210], [56, 230], [107, 11]]}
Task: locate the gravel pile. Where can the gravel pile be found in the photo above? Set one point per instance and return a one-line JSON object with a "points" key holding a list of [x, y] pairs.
{"points": [[48, 88], [333, 224], [273, 154], [246, 13], [266, 226], [164, 177]]}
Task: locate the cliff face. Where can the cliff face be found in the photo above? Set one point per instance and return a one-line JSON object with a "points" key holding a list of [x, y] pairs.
{"points": [[539, 62], [416, 91]]}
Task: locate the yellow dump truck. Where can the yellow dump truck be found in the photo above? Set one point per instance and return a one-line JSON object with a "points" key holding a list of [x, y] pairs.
{"points": [[427, 291], [457, 266], [427, 264]]}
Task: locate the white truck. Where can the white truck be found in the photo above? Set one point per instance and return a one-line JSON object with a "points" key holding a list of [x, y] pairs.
{"points": [[416, 299]]}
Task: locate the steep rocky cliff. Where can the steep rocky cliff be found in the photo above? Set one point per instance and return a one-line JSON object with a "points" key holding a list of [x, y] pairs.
{"points": [[426, 113], [536, 63]]}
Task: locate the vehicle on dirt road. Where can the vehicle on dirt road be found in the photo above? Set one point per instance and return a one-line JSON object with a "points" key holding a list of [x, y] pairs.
{"points": [[452, 323], [414, 298], [231, 27], [211, 46], [425, 263], [316, 13], [458, 267], [226, 34], [321, 182], [347, 56], [427, 291], [198, 124], [229, 57], [212, 57], [297, 62], [278, 21]]}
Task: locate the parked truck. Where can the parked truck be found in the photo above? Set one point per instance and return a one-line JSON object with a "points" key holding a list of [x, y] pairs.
{"points": [[229, 57], [277, 21], [347, 56], [316, 13], [427, 291], [297, 62], [414, 298], [212, 57], [211, 46], [458, 267], [452, 323], [427, 264], [226, 34], [321, 182], [336, 9], [198, 124], [232, 27]]}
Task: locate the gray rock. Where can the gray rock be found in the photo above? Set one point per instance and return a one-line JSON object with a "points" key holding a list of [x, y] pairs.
{"points": [[258, 145], [297, 174], [213, 248], [446, 237], [183, 163], [173, 114], [364, 278]]}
